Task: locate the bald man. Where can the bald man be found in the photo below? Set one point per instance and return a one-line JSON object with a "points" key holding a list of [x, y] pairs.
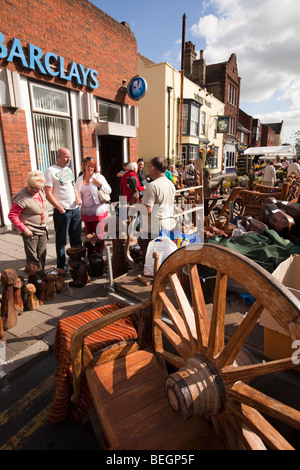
{"points": [[61, 192]]}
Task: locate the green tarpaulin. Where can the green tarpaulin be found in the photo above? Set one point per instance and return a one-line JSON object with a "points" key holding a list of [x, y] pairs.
{"points": [[268, 250]]}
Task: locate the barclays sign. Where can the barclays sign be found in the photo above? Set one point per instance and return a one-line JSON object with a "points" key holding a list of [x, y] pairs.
{"points": [[48, 64]]}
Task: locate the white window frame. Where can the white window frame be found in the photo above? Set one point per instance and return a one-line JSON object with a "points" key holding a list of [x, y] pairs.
{"points": [[48, 136]]}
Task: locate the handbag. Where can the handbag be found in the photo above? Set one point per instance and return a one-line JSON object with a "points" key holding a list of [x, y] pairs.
{"points": [[103, 196]]}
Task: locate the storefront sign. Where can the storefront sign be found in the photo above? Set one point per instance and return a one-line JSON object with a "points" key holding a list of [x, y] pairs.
{"points": [[137, 88], [223, 124], [49, 64]]}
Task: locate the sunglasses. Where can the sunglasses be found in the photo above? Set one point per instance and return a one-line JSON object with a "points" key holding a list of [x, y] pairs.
{"points": [[36, 190]]}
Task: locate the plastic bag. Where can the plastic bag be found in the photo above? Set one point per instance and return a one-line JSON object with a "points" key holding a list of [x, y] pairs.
{"points": [[164, 247]]}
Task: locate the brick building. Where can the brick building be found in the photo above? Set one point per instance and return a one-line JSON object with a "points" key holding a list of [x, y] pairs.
{"points": [[223, 82], [64, 70]]}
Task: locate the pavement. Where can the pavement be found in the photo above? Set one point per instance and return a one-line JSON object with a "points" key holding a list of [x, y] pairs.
{"points": [[34, 334]]}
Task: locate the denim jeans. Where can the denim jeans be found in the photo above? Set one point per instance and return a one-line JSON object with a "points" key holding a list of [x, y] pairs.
{"points": [[68, 223]]}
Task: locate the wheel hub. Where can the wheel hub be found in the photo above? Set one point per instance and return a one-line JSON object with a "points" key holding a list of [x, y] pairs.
{"points": [[196, 389]]}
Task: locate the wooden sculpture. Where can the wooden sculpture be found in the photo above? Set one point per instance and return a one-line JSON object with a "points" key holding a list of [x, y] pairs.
{"points": [[32, 300], [9, 312], [188, 370], [18, 285], [79, 267], [51, 290]]}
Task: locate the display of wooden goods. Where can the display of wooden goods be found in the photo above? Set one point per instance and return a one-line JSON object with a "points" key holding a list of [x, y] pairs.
{"points": [[187, 387], [276, 219], [9, 312], [251, 202], [79, 267]]}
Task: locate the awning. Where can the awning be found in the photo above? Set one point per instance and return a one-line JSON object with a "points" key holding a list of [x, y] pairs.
{"points": [[272, 151]]}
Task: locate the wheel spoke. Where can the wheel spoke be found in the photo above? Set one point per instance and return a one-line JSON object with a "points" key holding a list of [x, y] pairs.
{"points": [[170, 358], [234, 374], [249, 396], [238, 338], [217, 325], [174, 339], [201, 318], [177, 321], [186, 311], [258, 424]]}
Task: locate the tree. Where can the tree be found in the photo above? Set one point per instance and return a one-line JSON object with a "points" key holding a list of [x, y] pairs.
{"points": [[297, 143]]}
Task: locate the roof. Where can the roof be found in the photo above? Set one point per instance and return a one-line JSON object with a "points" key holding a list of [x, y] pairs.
{"points": [[145, 60], [276, 126], [283, 150]]}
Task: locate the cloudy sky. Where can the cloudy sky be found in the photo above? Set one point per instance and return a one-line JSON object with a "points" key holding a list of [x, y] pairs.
{"points": [[264, 34]]}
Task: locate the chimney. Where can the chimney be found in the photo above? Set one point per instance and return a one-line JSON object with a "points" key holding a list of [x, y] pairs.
{"points": [[189, 58], [199, 71]]}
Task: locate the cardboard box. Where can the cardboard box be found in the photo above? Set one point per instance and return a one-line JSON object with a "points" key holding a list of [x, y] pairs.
{"points": [[277, 342]]}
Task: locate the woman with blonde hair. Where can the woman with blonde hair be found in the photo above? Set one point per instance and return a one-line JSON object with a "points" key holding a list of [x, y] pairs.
{"points": [[93, 212], [29, 214]]}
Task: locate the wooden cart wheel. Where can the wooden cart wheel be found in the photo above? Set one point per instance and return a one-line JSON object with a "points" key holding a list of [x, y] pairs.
{"points": [[211, 377]]}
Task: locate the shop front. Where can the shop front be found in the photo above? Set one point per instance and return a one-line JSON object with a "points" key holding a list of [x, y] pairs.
{"points": [[63, 83]]}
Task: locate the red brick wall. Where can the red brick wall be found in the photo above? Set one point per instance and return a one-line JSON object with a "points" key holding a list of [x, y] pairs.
{"points": [[16, 147], [77, 31]]}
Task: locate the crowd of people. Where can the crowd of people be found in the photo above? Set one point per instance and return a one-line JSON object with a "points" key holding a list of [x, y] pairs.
{"points": [[77, 200], [269, 172]]}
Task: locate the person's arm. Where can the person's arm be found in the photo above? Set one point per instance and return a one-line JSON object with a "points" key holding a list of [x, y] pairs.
{"points": [[102, 183], [14, 217], [139, 186], [77, 196], [52, 199]]}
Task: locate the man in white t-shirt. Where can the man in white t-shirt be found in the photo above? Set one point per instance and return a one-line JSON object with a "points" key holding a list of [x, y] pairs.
{"points": [[293, 167], [158, 200], [61, 192]]}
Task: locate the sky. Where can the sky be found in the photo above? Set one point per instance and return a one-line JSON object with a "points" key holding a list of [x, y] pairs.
{"points": [[264, 35]]}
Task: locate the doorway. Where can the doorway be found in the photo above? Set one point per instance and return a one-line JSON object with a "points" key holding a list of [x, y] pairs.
{"points": [[111, 162]]}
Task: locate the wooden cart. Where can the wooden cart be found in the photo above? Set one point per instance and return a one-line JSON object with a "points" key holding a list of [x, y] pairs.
{"points": [[185, 387]]}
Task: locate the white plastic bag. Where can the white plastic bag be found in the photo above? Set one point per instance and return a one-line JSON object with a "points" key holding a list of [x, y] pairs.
{"points": [[164, 247]]}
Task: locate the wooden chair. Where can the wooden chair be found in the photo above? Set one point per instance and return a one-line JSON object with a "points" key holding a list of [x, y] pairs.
{"points": [[186, 388], [251, 202]]}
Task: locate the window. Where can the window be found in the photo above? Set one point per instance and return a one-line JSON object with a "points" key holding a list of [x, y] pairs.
{"points": [[215, 128], [203, 123], [229, 159], [190, 118], [194, 120], [212, 161], [193, 153], [184, 155], [109, 112], [185, 115], [52, 123], [232, 94], [231, 126]]}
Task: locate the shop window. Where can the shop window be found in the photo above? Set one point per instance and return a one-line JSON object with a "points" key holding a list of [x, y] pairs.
{"points": [[109, 112], [52, 123]]}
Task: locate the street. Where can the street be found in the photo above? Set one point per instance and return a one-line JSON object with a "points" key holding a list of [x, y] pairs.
{"points": [[24, 409], [25, 402]]}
